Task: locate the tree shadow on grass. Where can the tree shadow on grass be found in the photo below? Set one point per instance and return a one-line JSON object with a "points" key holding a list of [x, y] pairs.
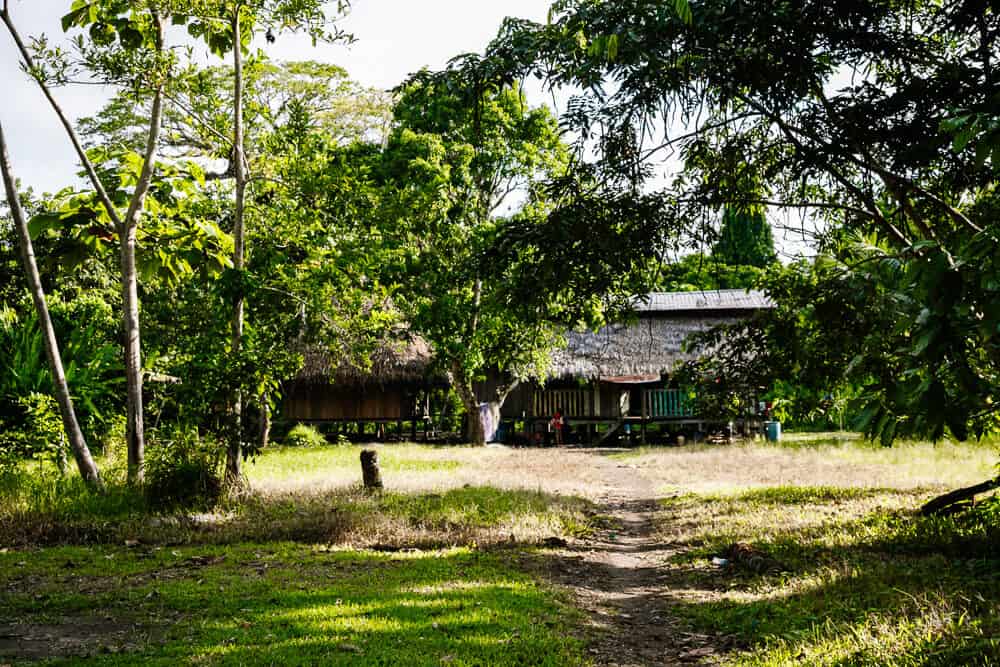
{"points": [[883, 587], [877, 586], [312, 607]]}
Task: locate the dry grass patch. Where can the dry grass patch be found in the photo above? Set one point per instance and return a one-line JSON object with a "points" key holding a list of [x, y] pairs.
{"points": [[815, 461], [410, 468]]}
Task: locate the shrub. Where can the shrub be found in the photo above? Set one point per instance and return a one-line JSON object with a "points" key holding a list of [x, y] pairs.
{"points": [[303, 435], [183, 470]]}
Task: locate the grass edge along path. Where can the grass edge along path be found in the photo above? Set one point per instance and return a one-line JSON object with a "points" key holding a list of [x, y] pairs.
{"points": [[842, 576]]}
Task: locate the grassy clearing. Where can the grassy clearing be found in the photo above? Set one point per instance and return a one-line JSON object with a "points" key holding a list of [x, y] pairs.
{"points": [[435, 499], [422, 468], [815, 460], [848, 576], [305, 569], [278, 603]]}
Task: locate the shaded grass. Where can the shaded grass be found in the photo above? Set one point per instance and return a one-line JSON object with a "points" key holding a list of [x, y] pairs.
{"points": [[278, 603], [859, 579]]}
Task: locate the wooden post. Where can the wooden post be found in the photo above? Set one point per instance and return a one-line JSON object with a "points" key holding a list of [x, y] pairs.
{"points": [[413, 429], [645, 405], [370, 473]]}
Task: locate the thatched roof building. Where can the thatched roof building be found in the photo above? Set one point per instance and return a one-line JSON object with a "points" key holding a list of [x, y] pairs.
{"points": [[392, 383], [653, 344], [386, 385], [403, 359]]}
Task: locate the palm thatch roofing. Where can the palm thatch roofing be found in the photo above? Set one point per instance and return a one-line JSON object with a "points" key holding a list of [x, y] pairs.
{"points": [[402, 358], [643, 350], [636, 352]]}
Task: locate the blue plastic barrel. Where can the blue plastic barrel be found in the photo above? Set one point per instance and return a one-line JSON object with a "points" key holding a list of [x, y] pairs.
{"points": [[773, 431]]}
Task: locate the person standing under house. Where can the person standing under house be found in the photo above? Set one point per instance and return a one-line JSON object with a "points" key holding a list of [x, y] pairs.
{"points": [[557, 426]]}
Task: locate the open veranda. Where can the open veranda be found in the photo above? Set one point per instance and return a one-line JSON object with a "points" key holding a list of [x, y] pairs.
{"points": [[804, 552]]}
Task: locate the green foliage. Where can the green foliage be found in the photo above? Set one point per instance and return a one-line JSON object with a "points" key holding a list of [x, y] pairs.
{"points": [[421, 213], [897, 169], [702, 272], [43, 429], [90, 360], [304, 435], [745, 239], [183, 470]]}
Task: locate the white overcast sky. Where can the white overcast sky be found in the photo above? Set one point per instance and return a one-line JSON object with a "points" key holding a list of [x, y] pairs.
{"points": [[395, 38]]}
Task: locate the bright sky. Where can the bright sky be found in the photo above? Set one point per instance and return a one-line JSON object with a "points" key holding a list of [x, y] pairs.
{"points": [[395, 37]]}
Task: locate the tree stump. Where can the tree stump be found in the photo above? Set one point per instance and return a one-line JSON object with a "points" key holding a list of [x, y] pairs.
{"points": [[370, 472]]}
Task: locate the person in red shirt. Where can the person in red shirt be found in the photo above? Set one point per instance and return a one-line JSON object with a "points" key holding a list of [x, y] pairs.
{"points": [[557, 426]]}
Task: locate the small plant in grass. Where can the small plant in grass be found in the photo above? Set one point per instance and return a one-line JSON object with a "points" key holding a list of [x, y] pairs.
{"points": [[303, 435], [182, 470]]}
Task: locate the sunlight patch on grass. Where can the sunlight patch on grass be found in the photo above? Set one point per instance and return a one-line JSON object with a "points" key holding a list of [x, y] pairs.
{"points": [[426, 468], [818, 461], [850, 576], [287, 604]]}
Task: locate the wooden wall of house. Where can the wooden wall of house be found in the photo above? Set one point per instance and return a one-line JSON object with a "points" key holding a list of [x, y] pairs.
{"points": [[327, 403], [593, 401]]}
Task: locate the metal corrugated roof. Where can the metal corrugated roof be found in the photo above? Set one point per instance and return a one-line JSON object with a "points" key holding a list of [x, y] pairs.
{"points": [[724, 299]]}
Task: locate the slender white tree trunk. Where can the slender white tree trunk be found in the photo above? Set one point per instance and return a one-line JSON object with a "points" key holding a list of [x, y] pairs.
{"points": [[234, 452], [126, 228], [84, 460], [134, 425]]}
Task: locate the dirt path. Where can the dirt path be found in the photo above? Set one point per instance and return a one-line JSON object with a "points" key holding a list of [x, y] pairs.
{"points": [[617, 577]]}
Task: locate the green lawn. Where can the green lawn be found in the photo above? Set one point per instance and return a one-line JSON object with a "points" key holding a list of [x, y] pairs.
{"points": [[836, 576], [278, 603], [310, 569], [307, 569]]}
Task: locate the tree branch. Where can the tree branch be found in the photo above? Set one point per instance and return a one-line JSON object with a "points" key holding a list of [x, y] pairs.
{"points": [[88, 166]]}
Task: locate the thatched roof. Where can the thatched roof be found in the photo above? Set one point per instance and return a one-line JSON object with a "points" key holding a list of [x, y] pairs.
{"points": [[404, 358], [654, 344], [635, 352]]}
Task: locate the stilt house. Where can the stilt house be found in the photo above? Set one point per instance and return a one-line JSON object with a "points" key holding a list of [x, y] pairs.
{"points": [[391, 388], [623, 371]]}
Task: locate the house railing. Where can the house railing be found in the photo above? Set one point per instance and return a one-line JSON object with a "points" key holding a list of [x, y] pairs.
{"points": [[572, 402], [666, 403]]}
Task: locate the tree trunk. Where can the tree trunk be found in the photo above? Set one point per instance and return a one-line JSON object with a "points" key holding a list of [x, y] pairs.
{"points": [[134, 428], [265, 423], [234, 452], [84, 460], [474, 434], [370, 473]]}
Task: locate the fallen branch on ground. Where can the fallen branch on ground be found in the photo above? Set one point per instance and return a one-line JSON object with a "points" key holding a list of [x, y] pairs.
{"points": [[941, 503]]}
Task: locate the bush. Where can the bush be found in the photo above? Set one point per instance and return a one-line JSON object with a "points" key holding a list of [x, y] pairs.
{"points": [[183, 470], [303, 435]]}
